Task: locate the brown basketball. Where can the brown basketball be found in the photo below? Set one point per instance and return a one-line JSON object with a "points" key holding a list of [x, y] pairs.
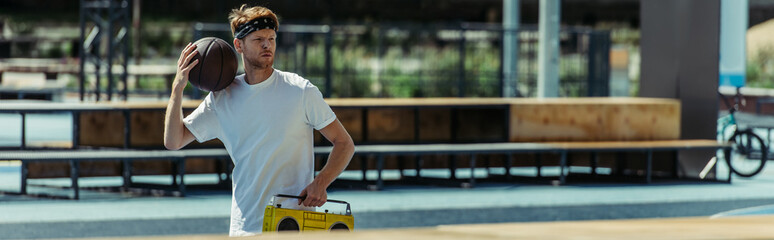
{"points": [[217, 64]]}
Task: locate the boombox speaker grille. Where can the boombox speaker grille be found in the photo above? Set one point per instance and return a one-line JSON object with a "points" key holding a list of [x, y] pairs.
{"points": [[288, 224]]}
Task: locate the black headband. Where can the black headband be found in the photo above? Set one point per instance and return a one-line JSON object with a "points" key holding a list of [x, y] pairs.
{"points": [[255, 25]]}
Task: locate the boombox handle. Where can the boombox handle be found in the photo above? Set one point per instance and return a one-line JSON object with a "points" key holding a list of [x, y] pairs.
{"points": [[349, 211]]}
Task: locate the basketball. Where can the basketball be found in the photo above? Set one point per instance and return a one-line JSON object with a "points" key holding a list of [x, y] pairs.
{"points": [[217, 65]]}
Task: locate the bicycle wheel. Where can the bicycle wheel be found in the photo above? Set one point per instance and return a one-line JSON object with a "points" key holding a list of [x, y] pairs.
{"points": [[748, 153]]}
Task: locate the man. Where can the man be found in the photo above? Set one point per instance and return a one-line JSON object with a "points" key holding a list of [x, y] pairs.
{"points": [[265, 119]]}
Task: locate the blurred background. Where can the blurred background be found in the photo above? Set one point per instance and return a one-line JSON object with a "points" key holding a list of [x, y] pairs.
{"points": [[104, 56], [378, 48], [428, 48]]}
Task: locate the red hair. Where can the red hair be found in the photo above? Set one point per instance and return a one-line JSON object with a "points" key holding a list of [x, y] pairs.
{"points": [[244, 14]]}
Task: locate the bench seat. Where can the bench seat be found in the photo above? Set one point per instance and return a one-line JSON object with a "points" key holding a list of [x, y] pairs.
{"points": [[379, 151]]}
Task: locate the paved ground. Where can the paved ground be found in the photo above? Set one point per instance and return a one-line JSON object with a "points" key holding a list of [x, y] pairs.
{"points": [[726, 228], [103, 214]]}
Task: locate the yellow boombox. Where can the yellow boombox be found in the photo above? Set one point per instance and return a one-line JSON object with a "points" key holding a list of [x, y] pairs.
{"points": [[277, 218]]}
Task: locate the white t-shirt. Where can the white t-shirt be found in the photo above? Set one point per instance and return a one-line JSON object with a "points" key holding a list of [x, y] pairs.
{"points": [[267, 130]]}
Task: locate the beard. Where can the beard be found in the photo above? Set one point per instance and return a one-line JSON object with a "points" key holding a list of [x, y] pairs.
{"points": [[256, 62]]}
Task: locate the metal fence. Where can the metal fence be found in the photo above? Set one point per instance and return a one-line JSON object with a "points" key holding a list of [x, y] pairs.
{"points": [[429, 60]]}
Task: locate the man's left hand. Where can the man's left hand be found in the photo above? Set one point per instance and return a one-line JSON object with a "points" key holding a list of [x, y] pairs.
{"points": [[314, 195]]}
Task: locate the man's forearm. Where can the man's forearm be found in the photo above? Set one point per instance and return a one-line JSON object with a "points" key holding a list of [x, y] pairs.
{"points": [[173, 121], [338, 160], [174, 129]]}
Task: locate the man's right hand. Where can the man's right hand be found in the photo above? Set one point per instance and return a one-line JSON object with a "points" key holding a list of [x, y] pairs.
{"points": [[184, 66]]}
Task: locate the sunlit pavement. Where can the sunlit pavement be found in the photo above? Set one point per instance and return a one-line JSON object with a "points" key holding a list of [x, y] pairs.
{"points": [[104, 213]]}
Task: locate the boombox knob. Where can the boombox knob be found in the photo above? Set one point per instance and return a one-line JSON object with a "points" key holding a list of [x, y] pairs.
{"points": [[326, 210], [279, 205]]}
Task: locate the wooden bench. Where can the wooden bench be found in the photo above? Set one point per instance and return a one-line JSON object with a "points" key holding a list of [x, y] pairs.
{"points": [[379, 151], [52, 67], [123, 111], [561, 148], [75, 157], [409, 127]]}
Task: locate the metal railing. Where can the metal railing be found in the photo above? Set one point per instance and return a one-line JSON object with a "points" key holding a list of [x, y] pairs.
{"points": [[432, 60]]}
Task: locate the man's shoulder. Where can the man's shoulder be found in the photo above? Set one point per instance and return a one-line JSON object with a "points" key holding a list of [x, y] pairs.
{"points": [[237, 83], [294, 79]]}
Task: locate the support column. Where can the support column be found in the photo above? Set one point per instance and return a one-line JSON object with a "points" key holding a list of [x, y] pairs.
{"points": [[510, 48], [107, 21], [733, 34], [680, 56], [548, 52]]}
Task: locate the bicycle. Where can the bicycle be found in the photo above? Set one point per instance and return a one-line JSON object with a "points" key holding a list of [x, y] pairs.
{"points": [[749, 151]]}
